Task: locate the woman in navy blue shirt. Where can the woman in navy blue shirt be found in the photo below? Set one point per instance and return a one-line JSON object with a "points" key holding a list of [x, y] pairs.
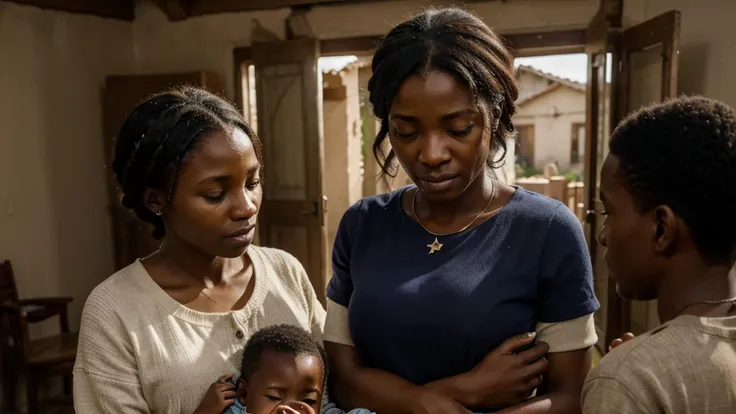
{"points": [[440, 288]]}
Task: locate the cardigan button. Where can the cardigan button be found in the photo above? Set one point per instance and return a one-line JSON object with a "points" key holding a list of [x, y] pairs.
{"points": [[239, 334]]}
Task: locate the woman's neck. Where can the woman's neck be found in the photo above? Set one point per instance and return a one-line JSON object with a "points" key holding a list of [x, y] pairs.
{"points": [[695, 290], [180, 257], [470, 202]]}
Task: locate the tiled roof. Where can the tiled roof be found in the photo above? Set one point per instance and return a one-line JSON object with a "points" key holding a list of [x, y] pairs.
{"points": [[567, 82], [556, 82]]}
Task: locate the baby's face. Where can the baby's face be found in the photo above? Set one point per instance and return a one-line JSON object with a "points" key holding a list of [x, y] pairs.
{"points": [[284, 383]]}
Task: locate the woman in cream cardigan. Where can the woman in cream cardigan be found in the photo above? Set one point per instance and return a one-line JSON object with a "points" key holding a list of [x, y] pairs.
{"points": [[155, 335]]}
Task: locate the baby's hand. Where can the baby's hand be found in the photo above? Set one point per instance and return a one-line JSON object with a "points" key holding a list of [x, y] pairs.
{"points": [[219, 396], [293, 408]]}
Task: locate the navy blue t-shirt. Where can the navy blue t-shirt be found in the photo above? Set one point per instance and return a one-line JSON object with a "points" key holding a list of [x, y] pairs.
{"points": [[427, 317]]}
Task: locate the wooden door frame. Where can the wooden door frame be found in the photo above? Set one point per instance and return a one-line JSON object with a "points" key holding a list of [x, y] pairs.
{"points": [[597, 46], [523, 44], [602, 38], [606, 33]]}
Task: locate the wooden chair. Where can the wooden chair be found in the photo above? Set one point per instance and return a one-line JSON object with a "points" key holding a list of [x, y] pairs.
{"points": [[32, 360]]}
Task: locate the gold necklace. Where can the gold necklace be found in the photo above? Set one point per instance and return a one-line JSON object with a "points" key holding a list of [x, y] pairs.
{"points": [[436, 246]]}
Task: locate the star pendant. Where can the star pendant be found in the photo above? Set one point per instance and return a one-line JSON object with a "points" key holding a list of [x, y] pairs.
{"points": [[435, 246]]}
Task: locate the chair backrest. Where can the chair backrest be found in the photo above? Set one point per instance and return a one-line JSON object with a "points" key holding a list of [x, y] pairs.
{"points": [[8, 289], [13, 325], [14, 338]]}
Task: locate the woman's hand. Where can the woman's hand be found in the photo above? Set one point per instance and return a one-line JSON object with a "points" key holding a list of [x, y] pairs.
{"points": [[218, 397], [430, 402], [507, 376], [618, 341]]}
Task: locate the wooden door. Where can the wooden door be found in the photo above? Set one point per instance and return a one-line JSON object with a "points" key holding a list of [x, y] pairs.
{"points": [[598, 127], [132, 237], [525, 141], [289, 101], [649, 61]]}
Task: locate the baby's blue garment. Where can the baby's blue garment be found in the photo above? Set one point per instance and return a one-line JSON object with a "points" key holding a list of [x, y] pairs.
{"points": [[235, 408], [331, 408], [328, 407]]}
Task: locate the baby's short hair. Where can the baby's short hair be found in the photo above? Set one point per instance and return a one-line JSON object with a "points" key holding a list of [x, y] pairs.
{"points": [[287, 339]]}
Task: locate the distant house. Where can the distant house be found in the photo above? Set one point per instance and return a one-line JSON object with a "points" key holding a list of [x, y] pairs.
{"points": [[550, 119]]}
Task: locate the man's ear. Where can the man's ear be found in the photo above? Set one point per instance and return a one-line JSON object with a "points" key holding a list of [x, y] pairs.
{"points": [[154, 200], [666, 231]]}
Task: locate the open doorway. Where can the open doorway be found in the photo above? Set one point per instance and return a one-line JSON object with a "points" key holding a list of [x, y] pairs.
{"points": [[551, 123], [343, 140], [550, 114], [551, 126]]}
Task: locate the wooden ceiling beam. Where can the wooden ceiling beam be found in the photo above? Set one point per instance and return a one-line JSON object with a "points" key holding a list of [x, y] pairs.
{"points": [[541, 40], [204, 7], [538, 43], [114, 9], [181, 9], [176, 9]]}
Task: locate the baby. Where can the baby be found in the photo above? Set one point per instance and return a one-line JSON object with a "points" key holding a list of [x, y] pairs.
{"points": [[284, 371]]}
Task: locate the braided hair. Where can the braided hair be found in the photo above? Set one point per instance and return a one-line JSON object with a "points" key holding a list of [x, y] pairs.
{"points": [[682, 154], [157, 136], [459, 44]]}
